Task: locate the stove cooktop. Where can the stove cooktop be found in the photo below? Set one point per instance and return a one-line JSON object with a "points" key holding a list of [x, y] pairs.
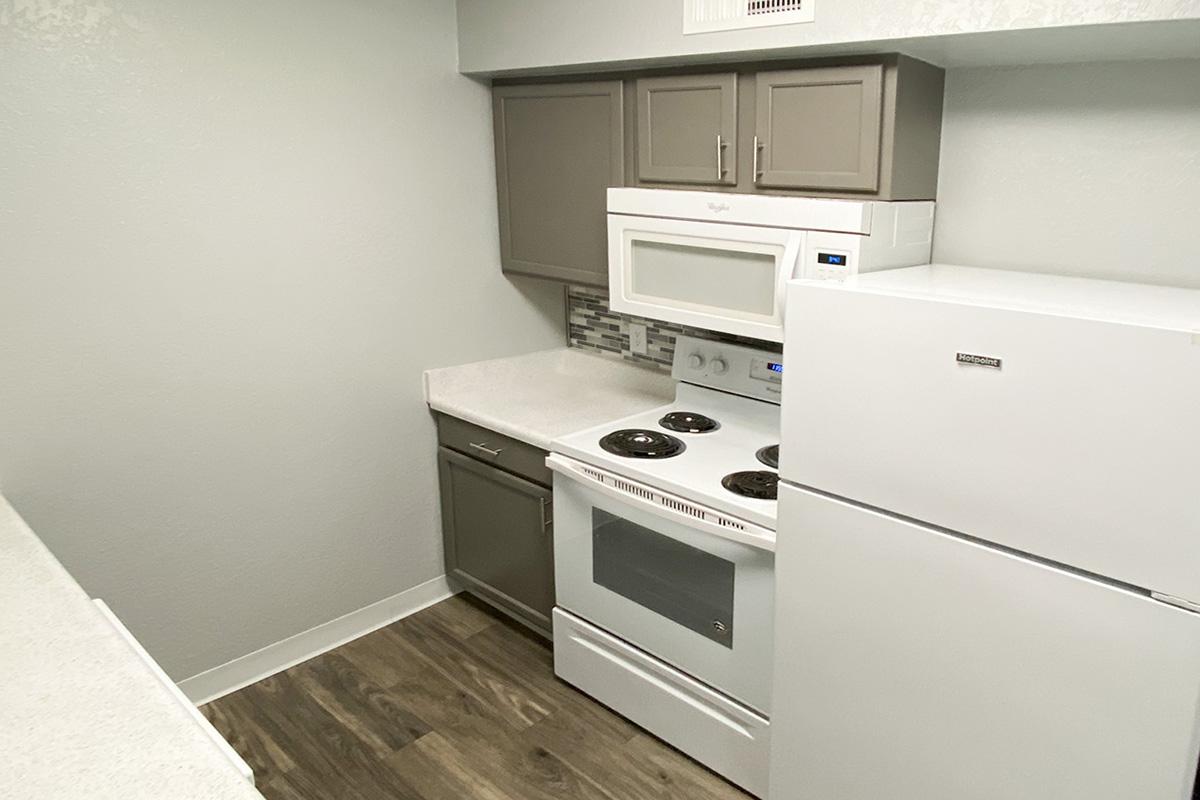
{"points": [[637, 443], [757, 483], [769, 456], [688, 422], [743, 428]]}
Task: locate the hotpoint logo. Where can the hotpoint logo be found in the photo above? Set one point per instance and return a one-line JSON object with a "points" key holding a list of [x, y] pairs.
{"points": [[979, 361]]}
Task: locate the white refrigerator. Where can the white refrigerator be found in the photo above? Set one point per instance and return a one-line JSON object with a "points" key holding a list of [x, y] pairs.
{"points": [[988, 557]]}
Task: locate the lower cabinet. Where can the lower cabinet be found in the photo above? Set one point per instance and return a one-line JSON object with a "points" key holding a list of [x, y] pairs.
{"points": [[499, 538]]}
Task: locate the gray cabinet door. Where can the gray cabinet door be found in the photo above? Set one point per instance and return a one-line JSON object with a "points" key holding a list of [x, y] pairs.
{"points": [[687, 129], [558, 149], [819, 128], [498, 536]]}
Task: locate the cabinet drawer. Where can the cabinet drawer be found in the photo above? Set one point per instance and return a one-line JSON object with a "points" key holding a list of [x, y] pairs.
{"points": [[494, 448]]}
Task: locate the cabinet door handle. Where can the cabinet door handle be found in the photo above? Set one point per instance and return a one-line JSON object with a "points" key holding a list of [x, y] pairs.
{"points": [[720, 159], [483, 448], [544, 508], [758, 146]]}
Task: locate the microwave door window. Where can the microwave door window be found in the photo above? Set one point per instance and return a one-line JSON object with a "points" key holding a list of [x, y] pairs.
{"points": [[740, 280], [685, 584]]}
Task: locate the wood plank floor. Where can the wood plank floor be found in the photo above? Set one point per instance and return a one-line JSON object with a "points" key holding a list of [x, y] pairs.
{"points": [[452, 703]]}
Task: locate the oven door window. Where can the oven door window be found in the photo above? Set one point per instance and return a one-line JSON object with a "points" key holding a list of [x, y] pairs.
{"points": [[685, 584]]}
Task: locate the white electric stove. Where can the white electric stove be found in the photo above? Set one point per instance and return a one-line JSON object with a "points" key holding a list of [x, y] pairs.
{"points": [[664, 559]]}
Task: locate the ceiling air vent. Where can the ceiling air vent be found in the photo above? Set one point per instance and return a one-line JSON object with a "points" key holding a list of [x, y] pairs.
{"points": [[706, 16]]}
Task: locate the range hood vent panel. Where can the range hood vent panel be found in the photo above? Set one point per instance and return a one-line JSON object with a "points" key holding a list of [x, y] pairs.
{"points": [[709, 16]]}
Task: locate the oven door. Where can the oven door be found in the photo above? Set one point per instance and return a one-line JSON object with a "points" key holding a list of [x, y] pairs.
{"points": [[710, 275], [639, 563]]}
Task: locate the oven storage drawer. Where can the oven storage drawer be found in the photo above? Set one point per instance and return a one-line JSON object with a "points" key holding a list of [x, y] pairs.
{"points": [[725, 736]]}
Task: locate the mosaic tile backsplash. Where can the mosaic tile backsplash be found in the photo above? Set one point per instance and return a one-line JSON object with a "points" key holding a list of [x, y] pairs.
{"points": [[592, 325]]}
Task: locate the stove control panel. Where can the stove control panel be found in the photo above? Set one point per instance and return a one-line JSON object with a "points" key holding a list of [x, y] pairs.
{"points": [[735, 368]]}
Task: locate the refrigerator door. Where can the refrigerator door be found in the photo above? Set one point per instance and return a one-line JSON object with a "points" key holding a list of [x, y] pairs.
{"points": [[1069, 437], [914, 665]]}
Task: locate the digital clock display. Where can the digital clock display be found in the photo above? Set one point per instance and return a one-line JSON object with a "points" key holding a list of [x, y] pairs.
{"points": [[768, 371], [833, 259]]}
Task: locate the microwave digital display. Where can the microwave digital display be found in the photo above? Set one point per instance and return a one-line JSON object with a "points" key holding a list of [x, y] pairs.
{"points": [[835, 259], [775, 367]]}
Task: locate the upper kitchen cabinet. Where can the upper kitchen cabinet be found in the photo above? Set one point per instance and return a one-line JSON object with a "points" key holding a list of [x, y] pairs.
{"points": [[559, 147], [687, 129], [819, 128], [868, 130]]}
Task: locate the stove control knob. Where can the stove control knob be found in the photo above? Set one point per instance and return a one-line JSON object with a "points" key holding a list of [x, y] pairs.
{"points": [[718, 366], [695, 361]]}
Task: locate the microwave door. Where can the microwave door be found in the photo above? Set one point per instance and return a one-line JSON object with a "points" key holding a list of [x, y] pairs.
{"points": [[718, 276]]}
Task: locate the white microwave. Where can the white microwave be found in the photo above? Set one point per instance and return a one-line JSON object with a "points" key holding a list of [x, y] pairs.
{"points": [[722, 261]]}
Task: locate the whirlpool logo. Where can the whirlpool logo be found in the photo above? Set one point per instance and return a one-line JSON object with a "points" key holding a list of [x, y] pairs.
{"points": [[979, 361], [718, 208]]}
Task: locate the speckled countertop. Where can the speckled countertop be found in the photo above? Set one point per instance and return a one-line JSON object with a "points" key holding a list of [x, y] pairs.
{"points": [[81, 716], [540, 396]]}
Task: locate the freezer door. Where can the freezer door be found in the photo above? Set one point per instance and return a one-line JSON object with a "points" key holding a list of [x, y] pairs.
{"points": [[914, 665], [1079, 446]]}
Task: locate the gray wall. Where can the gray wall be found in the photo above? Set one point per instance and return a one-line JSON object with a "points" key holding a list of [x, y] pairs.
{"points": [[232, 234], [1090, 169], [505, 35]]}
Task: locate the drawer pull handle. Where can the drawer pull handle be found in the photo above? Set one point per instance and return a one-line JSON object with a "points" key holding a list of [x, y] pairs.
{"points": [[483, 448], [547, 520]]}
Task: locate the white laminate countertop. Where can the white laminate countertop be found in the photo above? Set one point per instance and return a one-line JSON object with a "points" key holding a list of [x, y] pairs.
{"points": [[538, 397], [81, 715]]}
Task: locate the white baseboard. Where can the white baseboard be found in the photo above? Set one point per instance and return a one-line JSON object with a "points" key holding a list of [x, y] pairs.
{"points": [[253, 667]]}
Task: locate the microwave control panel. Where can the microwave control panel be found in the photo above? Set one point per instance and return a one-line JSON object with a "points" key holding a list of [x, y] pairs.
{"points": [[831, 256], [832, 265]]}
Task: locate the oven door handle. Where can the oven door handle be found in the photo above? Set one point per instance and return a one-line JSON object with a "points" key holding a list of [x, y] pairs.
{"points": [[663, 504]]}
